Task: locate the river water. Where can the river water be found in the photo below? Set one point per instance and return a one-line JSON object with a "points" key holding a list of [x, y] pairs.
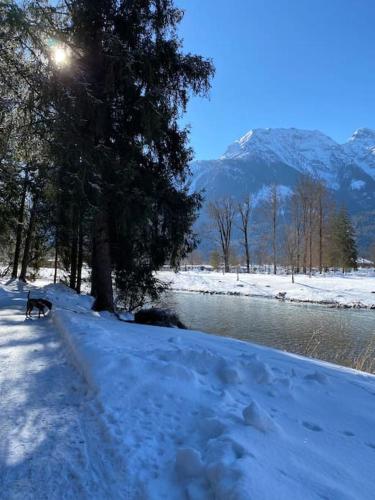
{"points": [[342, 336]]}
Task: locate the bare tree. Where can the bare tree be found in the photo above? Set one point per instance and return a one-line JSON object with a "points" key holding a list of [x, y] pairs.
{"points": [[310, 206], [291, 249], [324, 207], [296, 224], [306, 194], [274, 208], [244, 210], [222, 213]]}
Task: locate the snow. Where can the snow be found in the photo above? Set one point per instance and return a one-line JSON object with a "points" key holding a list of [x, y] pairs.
{"points": [[308, 151], [361, 149], [52, 444], [176, 414], [357, 184], [264, 193], [351, 290], [363, 261]]}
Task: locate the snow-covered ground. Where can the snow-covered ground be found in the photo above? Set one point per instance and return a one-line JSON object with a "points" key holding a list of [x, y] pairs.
{"points": [[356, 289], [192, 416], [52, 445], [352, 290]]}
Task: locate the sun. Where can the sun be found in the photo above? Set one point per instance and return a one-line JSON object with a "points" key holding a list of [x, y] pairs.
{"points": [[60, 56]]}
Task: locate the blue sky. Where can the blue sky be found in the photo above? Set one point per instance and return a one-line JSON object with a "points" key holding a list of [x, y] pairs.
{"points": [[281, 63]]}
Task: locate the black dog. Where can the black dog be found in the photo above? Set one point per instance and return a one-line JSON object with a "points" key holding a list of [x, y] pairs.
{"points": [[40, 304]]}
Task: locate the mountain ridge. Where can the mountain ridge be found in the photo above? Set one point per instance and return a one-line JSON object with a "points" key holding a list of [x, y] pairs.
{"points": [[301, 147]]}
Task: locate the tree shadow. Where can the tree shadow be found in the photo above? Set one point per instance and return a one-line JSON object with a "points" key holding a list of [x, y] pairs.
{"points": [[42, 444]]}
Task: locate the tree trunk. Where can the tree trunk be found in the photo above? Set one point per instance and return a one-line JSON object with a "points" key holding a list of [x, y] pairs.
{"points": [[274, 222], [305, 255], [20, 219], [320, 236], [310, 254], [247, 254], [226, 262], [80, 257], [102, 266], [73, 259], [93, 277], [298, 251], [298, 260], [26, 250], [56, 256]]}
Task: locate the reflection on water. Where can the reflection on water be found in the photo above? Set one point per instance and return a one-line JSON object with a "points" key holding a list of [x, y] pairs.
{"points": [[343, 336]]}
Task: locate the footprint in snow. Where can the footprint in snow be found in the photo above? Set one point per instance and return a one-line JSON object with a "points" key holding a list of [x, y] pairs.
{"points": [[188, 463], [370, 445], [255, 416], [317, 376], [229, 375], [348, 433], [312, 427], [212, 428]]}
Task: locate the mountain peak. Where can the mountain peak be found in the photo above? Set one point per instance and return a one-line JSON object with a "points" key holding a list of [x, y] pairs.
{"points": [[361, 149], [307, 150], [364, 134], [276, 138]]}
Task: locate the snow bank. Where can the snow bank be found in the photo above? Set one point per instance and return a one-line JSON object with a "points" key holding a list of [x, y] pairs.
{"points": [[339, 291], [203, 417]]}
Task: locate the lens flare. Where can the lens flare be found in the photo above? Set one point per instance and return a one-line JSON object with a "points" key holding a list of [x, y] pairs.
{"points": [[60, 56]]}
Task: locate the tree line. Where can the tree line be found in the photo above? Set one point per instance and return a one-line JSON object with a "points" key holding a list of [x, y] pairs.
{"points": [[304, 230], [94, 162]]}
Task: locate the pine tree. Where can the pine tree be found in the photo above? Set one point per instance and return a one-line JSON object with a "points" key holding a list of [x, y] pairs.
{"points": [[118, 107], [109, 124], [21, 129], [343, 249]]}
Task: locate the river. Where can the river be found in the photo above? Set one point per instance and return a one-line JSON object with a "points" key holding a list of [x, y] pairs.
{"points": [[342, 336]]}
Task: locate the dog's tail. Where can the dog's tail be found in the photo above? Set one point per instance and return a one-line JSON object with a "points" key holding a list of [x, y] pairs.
{"points": [[28, 295]]}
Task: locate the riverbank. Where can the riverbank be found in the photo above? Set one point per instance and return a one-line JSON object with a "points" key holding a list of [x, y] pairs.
{"points": [[357, 291]]}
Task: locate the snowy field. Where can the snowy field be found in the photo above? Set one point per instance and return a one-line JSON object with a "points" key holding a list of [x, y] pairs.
{"points": [[157, 413], [352, 290], [334, 289]]}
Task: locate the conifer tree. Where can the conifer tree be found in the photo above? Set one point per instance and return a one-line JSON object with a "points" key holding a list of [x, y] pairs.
{"points": [[118, 106], [343, 249]]}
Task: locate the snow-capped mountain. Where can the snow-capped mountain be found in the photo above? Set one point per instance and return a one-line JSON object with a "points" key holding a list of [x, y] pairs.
{"points": [[266, 156], [305, 150], [361, 149]]}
